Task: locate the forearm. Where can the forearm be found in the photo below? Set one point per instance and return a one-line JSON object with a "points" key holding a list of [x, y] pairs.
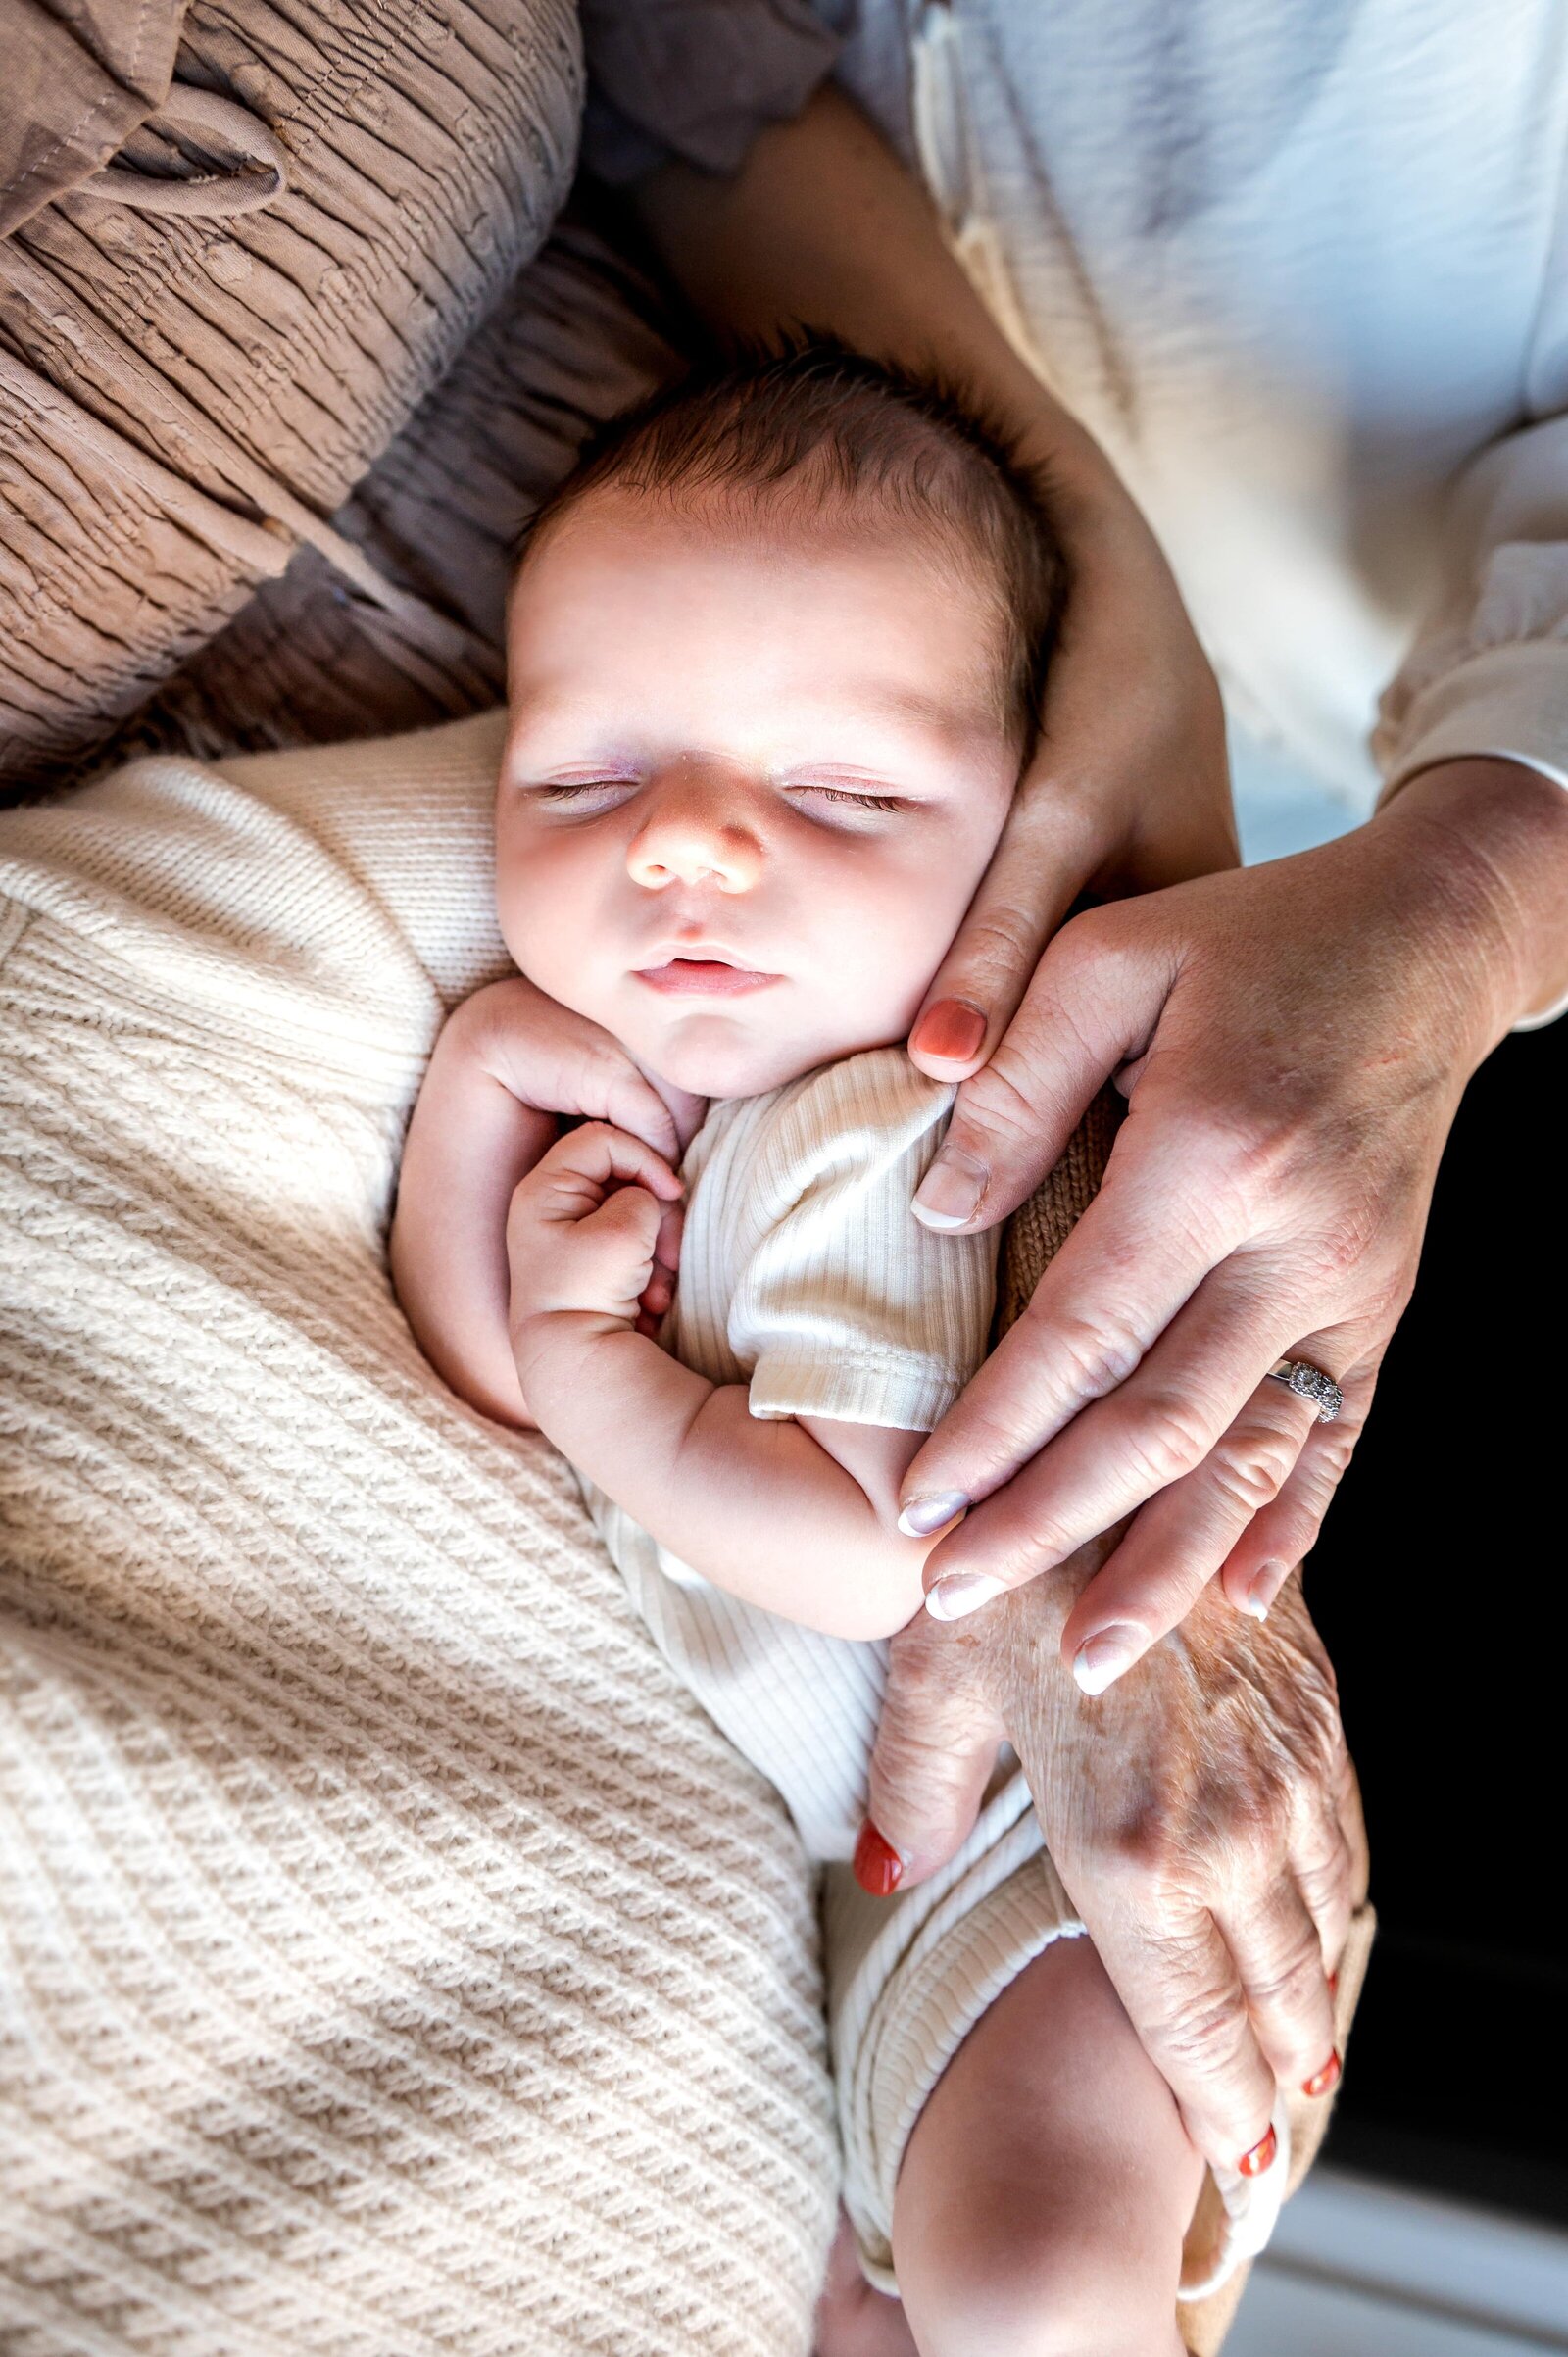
{"points": [[823, 228], [1492, 837], [469, 1142], [754, 1504]]}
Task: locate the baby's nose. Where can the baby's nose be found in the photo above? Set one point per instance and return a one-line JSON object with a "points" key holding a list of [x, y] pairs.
{"points": [[694, 844]]}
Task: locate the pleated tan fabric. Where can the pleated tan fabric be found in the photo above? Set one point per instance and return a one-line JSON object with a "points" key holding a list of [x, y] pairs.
{"points": [[187, 398], [394, 1959]]}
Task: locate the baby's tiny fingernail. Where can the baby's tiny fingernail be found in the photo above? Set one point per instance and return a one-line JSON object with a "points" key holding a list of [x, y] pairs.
{"points": [[952, 1030], [878, 1867], [1100, 1660], [950, 1193], [1322, 2080], [961, 1593], [918, 1517], [1261, 2156]]}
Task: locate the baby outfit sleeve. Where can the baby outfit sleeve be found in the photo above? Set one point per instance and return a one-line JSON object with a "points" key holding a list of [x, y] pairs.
{"points": [[846, 1308]]}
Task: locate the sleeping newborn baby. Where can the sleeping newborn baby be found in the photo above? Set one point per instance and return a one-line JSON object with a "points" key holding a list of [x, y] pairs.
{"points": [[775, 655]]}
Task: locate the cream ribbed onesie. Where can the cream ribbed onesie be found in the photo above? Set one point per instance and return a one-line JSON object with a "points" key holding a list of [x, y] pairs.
{"points": [[804, 1274]]}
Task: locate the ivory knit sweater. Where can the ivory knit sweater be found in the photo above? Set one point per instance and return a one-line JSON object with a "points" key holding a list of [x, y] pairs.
{"points": [[393, 1958]]}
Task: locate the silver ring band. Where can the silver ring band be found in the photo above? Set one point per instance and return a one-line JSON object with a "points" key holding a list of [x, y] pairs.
{"points": [[1308, 1382]]}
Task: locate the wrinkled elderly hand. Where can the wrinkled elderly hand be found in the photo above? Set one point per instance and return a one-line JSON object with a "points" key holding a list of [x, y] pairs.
{"points": [[1203, 1817], [1293, 1040]]}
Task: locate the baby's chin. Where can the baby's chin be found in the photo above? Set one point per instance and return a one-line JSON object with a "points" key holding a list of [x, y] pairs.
{"points": [[714, 1055]]}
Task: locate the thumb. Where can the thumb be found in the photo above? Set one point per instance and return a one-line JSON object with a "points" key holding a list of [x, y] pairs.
{"points": [[935, 1750]]}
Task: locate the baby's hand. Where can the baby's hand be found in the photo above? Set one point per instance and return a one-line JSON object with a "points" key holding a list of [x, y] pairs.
{"points": [[591, 1226]]}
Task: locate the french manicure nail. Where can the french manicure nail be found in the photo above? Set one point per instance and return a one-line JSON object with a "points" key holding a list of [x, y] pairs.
{"points": [[1261, 2156], [1261, 1590], [959, 1592], [878, 1867], [1322, 2080], [918, 1517], [950, 1193], [952, 1030], [1100, 1660]]}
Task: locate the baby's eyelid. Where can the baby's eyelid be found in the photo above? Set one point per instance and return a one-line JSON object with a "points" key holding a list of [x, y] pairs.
{"points": [[865, 798], [565, 787]]}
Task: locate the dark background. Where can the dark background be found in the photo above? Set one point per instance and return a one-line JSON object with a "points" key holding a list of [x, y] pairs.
{"points": [[1437, 1585]]}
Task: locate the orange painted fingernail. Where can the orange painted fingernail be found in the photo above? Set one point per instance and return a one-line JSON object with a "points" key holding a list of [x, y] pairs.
{"points": [[1261, 2156], [1333, 1984], [1321, 2081], [951, 1029], [878, 1867]]}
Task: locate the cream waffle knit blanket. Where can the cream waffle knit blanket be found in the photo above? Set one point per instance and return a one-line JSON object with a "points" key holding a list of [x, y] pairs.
{"points": [[393, 1959]]}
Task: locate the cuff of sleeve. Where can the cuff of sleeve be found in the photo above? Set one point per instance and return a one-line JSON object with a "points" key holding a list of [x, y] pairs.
{"points": [[1507, 704], [909, 1394], [695, 80]]}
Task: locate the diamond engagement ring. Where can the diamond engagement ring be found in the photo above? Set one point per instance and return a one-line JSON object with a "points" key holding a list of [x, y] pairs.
{"points": [[1309, 1383]]}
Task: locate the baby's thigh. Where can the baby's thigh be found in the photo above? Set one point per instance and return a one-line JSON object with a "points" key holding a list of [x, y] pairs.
{"points": [[1049, 2181]]}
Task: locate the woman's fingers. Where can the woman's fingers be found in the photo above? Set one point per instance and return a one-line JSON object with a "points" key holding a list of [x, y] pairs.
{"points": [[1285, 1530], [1328, 1861], [1088, 1009], [1278, 1951], [1049, 850], [936, 1746], [1132, 1262], [1181, 1538], [1179, 1982], [1158, 1426]]}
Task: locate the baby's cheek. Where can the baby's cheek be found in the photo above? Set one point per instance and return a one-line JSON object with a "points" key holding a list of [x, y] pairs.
{"points": [[899, 941]]}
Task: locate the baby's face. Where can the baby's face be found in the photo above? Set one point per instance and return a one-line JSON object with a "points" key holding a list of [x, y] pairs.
{"points": [[752, 780]]}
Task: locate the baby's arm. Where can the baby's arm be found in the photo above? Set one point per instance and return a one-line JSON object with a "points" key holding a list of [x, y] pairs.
{"points": [[796, 1516], [509, 1059]]}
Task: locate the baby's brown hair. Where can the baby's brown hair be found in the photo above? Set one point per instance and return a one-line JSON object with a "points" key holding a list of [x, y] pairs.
{"points": [[813, 423]]}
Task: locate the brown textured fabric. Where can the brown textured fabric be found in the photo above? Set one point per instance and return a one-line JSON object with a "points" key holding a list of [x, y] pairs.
{"points": [[1035, 1234], [187, 398], [80, 78], [207, 339], [312, 661]]}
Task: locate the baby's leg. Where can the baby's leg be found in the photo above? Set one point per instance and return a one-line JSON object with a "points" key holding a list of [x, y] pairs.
{"points": [[1049, 2181]]}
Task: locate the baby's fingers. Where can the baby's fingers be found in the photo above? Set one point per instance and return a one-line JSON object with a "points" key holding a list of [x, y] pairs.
{"points": [[589, 1163]]}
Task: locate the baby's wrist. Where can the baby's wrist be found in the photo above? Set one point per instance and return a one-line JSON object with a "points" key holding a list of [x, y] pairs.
{"points": [[550, 1347]]}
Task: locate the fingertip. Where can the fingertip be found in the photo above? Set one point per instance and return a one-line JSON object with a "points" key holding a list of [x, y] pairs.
{"points": [[878, 1867], [1108, 1654], [961, 1594], [951, 1032], [952, 1192]]}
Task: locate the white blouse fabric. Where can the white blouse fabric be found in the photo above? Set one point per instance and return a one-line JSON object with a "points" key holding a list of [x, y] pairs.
{"points": [[1304, 271]]}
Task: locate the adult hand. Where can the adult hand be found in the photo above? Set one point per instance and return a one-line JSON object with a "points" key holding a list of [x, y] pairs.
{"points": [[1127, 790], [1203, 1818], [1293, 1040]]}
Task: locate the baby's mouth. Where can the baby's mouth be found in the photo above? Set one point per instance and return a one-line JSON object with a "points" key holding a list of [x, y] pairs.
{"points": [[702, 977]]}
